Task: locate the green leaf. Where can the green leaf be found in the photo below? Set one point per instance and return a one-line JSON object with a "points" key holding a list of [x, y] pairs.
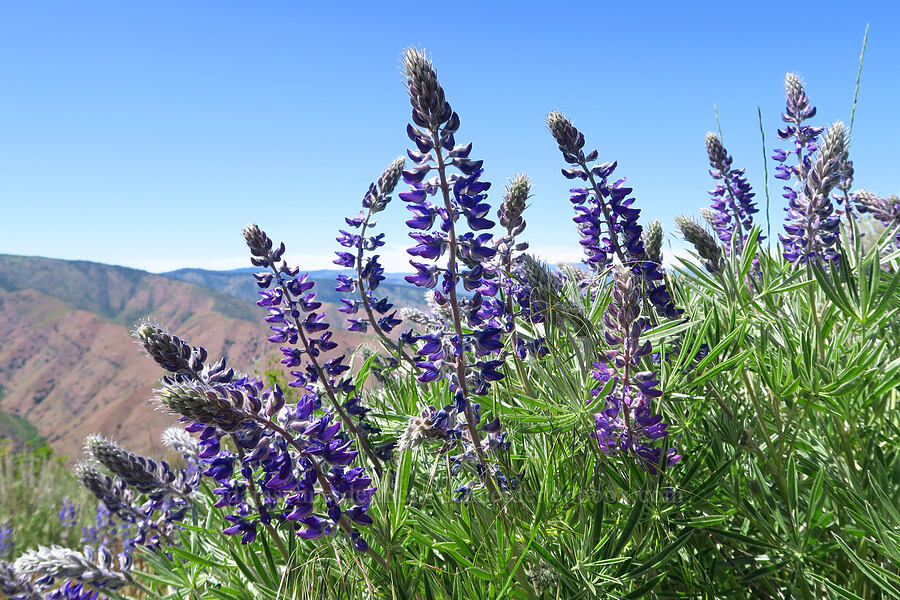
{"points": [[664, 554]]}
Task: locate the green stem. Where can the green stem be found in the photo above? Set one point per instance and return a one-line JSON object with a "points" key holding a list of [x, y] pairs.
{"points": [[814, 314], [457, 323]]}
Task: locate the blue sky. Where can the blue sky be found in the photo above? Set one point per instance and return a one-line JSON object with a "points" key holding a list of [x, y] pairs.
{"points": [[148, 134]]}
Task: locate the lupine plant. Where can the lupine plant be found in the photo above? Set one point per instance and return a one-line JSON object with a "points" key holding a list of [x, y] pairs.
{"points": [[624, 431]]}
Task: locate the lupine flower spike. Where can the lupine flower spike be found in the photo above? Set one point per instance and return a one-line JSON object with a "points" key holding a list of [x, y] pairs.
{"points": [[510, 214], [377, 312], [291, 302], [154, 521], [732, 199], [797, 112], [469, 255], [605, 217], [290, 461], [812, 227], [625, 423]]}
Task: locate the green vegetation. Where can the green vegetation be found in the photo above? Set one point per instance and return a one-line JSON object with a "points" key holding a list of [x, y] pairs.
{"points": [[33, 485], [18, 431]]}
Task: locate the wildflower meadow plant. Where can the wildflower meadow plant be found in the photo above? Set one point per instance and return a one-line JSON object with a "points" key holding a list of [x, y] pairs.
{"points": [[624, 430]]}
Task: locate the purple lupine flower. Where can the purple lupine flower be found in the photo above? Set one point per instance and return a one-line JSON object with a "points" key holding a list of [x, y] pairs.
{"points": [[296, 298], [626, 423], [71, 590], [287, 456], [797, 111], [606, 220], [732, 199], [812, 227], [369, 272], [105, 531], [183, 443], [517, 193], [461, 200], [7, 542], [68, 516]]}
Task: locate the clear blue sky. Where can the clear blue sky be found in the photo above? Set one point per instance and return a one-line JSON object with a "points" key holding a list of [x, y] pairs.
{"points": [[148, 134]]}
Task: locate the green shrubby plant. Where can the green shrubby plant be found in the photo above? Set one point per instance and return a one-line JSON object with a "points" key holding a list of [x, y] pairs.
{"points": [[725, 426]]}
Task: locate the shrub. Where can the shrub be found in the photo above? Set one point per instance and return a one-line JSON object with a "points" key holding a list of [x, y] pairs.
{"points": [[724, 428]]}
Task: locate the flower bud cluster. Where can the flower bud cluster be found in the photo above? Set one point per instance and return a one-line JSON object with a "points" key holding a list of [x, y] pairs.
{"points": [[179, 358], [183, 443], [540, 296], [884, 210], [626, 423], [517, 193], [653, 238], [606, 220], [73, 591], [447, 427], [704, 243], [18, 586], [96, 567]]}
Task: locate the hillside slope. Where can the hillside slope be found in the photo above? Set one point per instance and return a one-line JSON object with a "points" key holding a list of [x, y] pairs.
{"points": [[68, 364]]}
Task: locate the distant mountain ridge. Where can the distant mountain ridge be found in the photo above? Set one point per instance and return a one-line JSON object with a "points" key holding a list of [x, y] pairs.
{"points": [[69, 366], [239, 283]]}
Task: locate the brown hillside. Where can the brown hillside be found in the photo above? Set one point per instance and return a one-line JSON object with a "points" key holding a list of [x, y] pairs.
{"points": [[69, 365]]}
